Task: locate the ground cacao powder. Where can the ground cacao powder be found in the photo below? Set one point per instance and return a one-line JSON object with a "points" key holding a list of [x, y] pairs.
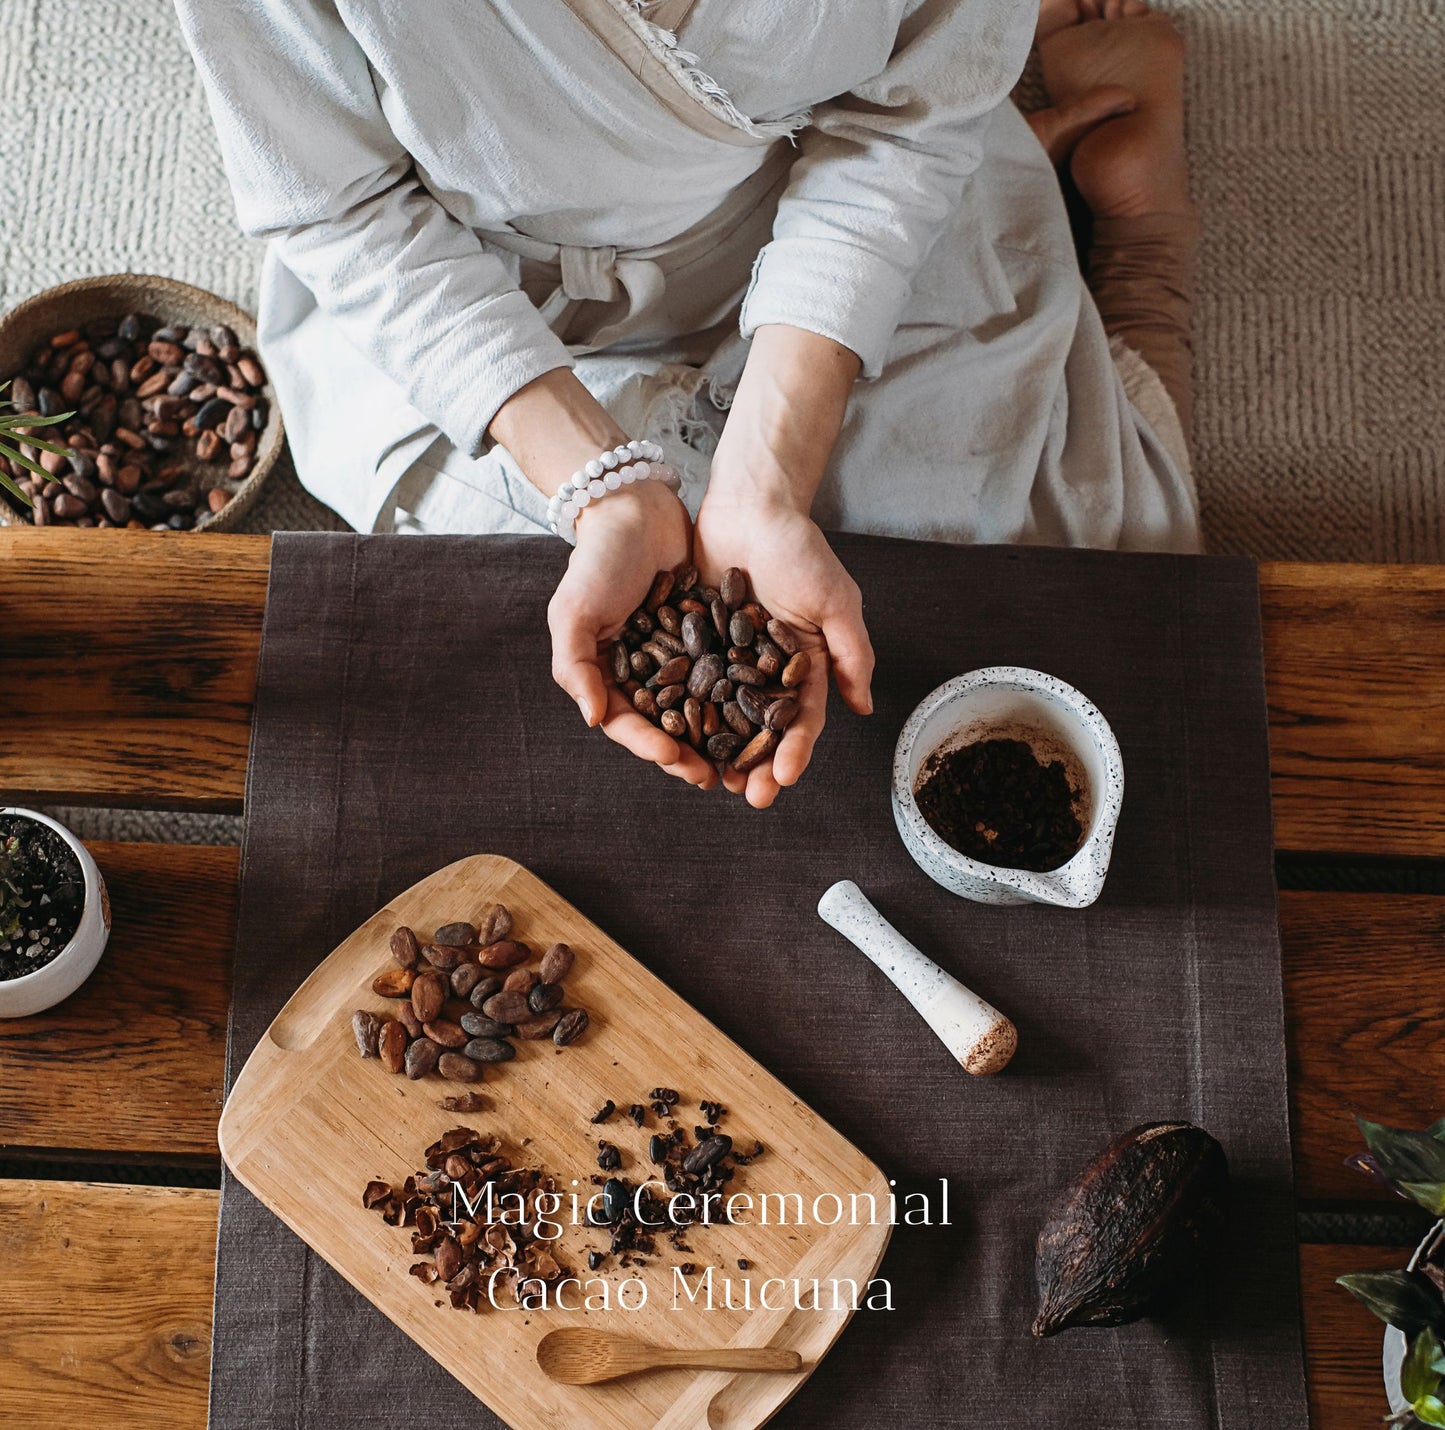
{"points": [[996, 801]]}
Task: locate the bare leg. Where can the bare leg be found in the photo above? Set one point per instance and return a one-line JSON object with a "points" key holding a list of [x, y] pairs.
{"points": [[1114, 74]]}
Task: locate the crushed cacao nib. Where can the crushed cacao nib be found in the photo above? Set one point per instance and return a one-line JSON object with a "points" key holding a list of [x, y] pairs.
{"points": [[638, 1113], [995, 801], [604, 1112]]}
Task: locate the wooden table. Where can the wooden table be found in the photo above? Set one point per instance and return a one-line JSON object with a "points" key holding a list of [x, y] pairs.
{"points": [[127, 673]]}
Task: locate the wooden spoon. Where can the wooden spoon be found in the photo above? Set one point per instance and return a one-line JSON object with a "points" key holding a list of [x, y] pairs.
{"points": [[578, 1356]]}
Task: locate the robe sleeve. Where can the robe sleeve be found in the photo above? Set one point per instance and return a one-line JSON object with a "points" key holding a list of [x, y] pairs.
{"points": [[881, 170], [316, 169]]}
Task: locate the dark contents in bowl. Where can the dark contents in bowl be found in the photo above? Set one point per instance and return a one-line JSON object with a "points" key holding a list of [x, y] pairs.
{"points": [[166, 423], [995, 801], [42, 895]]}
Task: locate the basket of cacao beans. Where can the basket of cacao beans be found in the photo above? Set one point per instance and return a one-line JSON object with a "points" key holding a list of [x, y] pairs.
{"points": [[711, 666], [173, 424]]}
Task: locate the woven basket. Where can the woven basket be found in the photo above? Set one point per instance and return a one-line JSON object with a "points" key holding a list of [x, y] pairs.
{"points": [[72, 305]]}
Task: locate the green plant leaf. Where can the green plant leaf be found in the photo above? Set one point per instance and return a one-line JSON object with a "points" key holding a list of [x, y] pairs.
{"points": [[34, 419], [26, 463], [1403, 1299], [1404, 1155], [1417, 1378], [1430, 1410], [1438, 1130], [1430, 1195]]}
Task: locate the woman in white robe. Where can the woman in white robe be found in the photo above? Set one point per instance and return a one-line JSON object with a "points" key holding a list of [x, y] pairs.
{"points": [[505, 235]]}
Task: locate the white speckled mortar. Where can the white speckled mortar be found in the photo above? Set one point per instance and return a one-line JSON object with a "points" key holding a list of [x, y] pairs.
{"points": [[1059, 723]]}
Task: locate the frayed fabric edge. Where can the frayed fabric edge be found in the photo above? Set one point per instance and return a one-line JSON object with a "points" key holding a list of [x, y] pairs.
{"points": [[709, 93], [670, 418]]}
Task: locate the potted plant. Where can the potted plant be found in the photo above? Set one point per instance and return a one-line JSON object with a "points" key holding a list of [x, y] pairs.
{"points": [[17, 430], [1411, 1302], [54, 912]]}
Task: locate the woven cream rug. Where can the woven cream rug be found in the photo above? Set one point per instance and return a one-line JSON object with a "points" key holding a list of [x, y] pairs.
{"points": [[1317, 130]]}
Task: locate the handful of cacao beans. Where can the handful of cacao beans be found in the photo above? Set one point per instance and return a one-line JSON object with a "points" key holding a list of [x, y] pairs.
{"points": [[711, 666], [463, 998]]}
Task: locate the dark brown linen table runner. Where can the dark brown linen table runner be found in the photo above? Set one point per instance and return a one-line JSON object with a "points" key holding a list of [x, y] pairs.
{"points": [[405, 718]]}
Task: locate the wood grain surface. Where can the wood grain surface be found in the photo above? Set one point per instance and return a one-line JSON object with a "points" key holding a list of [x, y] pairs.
{"points": [[130, 1067], [120, 1335], [1355, 673], [1364, 979], [105, 1305], [129, 666], [309, 1123], [139, 650]]}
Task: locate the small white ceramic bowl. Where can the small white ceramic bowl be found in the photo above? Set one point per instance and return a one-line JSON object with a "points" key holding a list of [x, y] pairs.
{"points": [[1008, 701], [58, 979]]}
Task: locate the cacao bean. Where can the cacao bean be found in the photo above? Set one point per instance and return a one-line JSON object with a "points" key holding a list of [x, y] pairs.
{"points": [[758, 749], [738, 722], [465, 977], [520, 980], [444, 1033], [733, 588], [783, 636], [796, 670], [444, 956], [421, 1058], [367, 1028], [723, 747], [781, 714], [670, 696], [428, 994], [506, 1007], [494, 924], [621, 662], [478, 1025], [406, 1016], [670, 621], [570, 1026], [692, 714], [394, 983], [673, 722], [753, 706], [718, 610], [540, 1025], [707, 1153], [707, 670], [456, 935], [695, 635], [457, 1067], [486, 986], [545, 996], [405, 948], [661, 590], [391, 1046], [556, 963], [746, 675], [674, 671], [503, 954], [645, 702], [740, 629], [490, 1050]]}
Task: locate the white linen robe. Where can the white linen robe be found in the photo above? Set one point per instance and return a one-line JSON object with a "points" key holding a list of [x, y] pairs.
{"points": [[465, 194]]}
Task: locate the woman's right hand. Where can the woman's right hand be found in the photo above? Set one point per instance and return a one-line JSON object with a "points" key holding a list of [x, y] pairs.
{"points": [[622, 543]]}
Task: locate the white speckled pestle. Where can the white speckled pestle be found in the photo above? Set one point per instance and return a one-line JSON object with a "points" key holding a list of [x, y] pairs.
{"points": [[975, 1032]]}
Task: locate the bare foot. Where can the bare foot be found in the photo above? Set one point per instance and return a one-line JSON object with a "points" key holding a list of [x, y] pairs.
{"points": [[1114, 74]]}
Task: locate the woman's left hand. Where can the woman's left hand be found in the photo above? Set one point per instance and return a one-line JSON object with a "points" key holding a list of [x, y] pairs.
{"points": [[796, 576]]}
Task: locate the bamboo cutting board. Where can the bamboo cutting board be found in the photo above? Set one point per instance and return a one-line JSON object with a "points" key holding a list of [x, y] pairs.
{"points": [[309, 1123]]}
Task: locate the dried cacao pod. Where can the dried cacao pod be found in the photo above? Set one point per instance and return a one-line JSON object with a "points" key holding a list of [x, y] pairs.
{"points": [[1126, 1235]]}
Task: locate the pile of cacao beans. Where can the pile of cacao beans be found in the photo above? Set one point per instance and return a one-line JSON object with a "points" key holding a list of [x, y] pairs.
{"points": [[462, 998], [165, 428], [711, 666]]}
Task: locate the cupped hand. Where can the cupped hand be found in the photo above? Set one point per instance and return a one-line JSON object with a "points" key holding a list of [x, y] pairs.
{"points": [[622, 543], [796, 576]]}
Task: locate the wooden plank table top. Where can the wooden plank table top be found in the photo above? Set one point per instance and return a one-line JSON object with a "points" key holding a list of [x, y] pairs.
{"points": [[127, 675]]}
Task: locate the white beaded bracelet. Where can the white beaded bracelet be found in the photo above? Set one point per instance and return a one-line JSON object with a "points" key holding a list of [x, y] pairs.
{"points": [[638, 461]]}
